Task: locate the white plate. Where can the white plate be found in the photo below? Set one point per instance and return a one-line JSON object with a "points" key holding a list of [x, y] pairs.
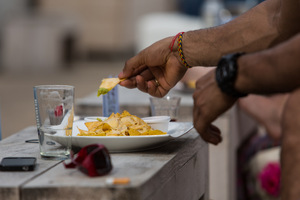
{"points": [[125, 143]]}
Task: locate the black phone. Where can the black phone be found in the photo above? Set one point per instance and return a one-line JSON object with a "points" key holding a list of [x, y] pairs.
{"points": [[18, 164]]}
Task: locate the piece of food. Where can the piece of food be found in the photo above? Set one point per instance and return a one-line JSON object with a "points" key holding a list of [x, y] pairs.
{"points": [[117, 124], [70, 124], [107, 84]]}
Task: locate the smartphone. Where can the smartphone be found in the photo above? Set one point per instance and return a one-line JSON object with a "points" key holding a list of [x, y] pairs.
{"points": [[18, 164]]}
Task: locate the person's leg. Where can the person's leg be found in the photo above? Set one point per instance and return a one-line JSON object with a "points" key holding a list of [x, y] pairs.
{"points": [[290, 154], [266, 110]]}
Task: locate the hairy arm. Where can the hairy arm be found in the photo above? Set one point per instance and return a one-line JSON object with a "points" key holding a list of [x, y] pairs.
{"points": [[261, 27], [274, 70]]}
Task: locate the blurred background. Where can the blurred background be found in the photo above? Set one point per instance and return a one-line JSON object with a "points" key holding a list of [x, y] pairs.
{"points": [[79, 43]]}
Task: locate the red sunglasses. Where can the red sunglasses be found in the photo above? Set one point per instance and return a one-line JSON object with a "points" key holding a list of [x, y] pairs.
{"points": [[93, 160]]}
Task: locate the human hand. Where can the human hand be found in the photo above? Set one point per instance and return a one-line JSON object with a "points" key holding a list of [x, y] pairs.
{"points": [[209, 103], [155, 70]]}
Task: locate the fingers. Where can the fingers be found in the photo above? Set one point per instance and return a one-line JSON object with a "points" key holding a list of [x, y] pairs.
{"points": [[208, 105], [146, 82], [211, 134], [151, 87], [140, 81], [142, 84], [133, 66], [214, 134], [155, 89], [129, 83], [151, 65], [132, 82]]}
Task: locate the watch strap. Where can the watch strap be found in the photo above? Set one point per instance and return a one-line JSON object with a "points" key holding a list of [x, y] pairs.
{"points": [[226, 74]]}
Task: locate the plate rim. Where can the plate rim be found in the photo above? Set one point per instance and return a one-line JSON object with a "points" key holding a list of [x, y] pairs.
{"points": [[154, 141]]}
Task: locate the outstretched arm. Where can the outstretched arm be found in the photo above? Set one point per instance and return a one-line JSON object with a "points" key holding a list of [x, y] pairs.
{"points": [[262, 27]]}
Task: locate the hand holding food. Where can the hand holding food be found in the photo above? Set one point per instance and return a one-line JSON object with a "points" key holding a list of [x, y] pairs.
{"points": [[108, 84]]}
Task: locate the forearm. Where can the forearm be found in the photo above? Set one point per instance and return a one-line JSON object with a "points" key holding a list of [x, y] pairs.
{"points": [[255, 30], [275, 70]]}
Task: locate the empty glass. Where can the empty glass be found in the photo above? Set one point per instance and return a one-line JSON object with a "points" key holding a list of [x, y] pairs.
{"points": [[54, 108], [167, 106]]}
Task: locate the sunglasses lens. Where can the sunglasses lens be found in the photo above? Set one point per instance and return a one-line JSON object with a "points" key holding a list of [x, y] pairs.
{"points": [[102, 161], [93, 160], [90, 148]]}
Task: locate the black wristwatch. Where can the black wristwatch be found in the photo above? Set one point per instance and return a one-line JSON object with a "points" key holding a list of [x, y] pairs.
{"points": [[226, 73]]}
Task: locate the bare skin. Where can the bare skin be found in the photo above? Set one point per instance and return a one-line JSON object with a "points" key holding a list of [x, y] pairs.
{"points": [[290, 156], [270, 35], [156, 62], [267, 111]]}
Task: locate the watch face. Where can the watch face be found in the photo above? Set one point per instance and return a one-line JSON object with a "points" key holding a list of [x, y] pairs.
{"points": [[225, 70]]}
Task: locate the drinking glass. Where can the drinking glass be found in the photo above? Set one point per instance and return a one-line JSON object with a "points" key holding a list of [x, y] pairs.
{"points": [[167, 106], [54, 109]]}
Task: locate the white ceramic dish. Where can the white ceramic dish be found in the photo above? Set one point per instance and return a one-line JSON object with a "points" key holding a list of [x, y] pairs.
{"points": [[156, 122], [125, 143]]}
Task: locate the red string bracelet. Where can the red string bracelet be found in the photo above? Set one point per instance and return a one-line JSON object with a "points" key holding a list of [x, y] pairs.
{"points": [[179, 42], [173, 40]]}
